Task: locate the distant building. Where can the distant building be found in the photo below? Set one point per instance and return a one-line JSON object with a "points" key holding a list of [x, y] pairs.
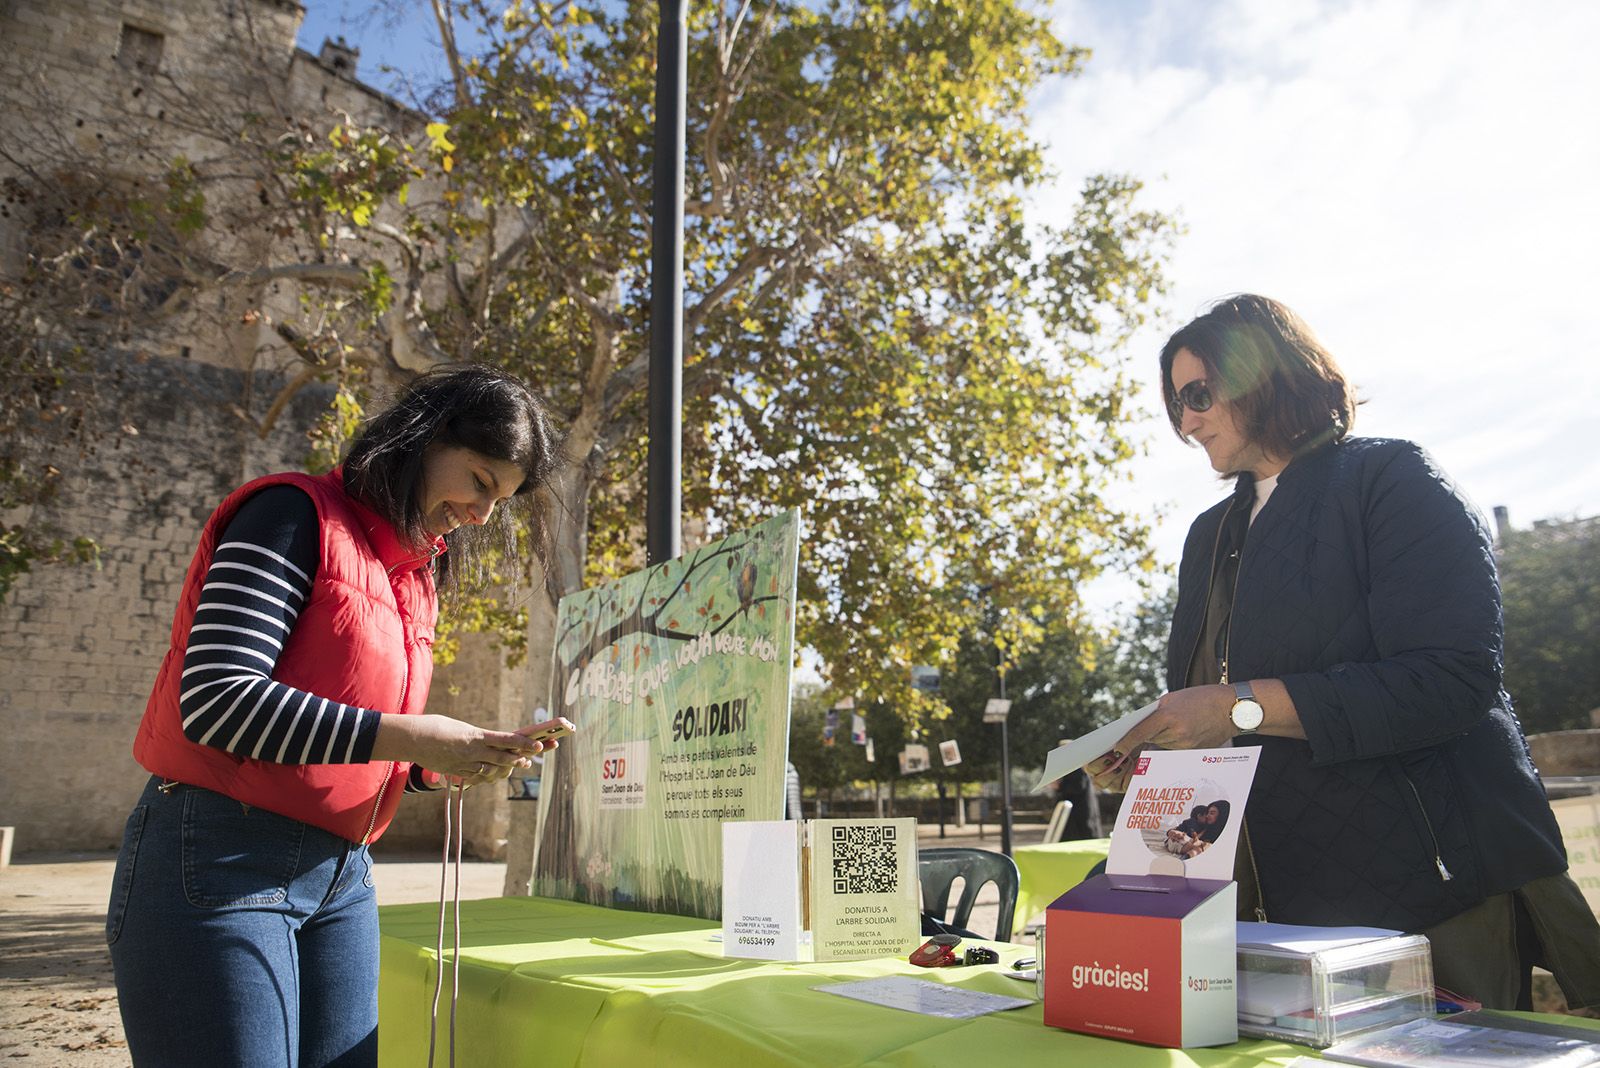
{"points": [[1552, 531]]}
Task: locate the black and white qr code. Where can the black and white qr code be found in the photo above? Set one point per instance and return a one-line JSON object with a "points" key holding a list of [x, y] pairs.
{"points": [[864, 861]]}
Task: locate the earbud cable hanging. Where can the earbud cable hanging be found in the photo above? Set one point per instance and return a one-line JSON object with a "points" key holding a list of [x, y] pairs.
{"points": [[454, 805]]}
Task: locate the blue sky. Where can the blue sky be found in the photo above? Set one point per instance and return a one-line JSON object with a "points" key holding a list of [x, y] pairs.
{"points": [[1415, 177]]}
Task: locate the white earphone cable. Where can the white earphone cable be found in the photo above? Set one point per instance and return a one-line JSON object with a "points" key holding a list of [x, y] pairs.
{"points": [[454, 806]]}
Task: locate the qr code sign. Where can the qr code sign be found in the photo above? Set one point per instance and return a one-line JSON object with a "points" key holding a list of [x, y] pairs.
{"points": [[864, 860]]}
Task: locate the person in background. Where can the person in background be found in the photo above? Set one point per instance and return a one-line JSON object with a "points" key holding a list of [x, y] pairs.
{"points": [[288, 716], [1340, 610], [1084, 819]]}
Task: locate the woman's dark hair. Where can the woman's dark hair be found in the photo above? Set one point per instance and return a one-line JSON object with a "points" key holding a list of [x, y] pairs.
{"points": [[473, 406], [1286, 390], [1214, 832]]}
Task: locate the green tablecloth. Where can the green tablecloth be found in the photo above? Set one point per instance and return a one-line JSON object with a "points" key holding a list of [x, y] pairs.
{"points": [[553, 983], [1048, 871]]}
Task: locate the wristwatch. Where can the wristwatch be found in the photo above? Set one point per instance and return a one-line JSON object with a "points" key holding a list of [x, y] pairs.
{"points": [[1246, 712]]}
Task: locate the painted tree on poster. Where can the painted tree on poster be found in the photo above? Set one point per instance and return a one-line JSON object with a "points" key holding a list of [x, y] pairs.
{"points": [[643, 649]]}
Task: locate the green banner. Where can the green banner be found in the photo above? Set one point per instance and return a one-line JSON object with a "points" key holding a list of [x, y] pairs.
{"points": [[678, 681]]}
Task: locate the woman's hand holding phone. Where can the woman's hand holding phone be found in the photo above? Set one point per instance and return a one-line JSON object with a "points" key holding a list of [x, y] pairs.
{"points": [[548, 734]]}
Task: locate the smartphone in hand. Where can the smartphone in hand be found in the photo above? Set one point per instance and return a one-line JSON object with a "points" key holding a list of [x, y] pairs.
{"points": [[548, 731]]}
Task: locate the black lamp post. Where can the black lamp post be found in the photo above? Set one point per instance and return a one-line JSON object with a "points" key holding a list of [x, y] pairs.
{"points": [[1005, 767], [664, 490]]}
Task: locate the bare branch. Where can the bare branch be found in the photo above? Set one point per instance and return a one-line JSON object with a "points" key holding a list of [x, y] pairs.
{"points": [[753, 261], [409, 338], [285, 395], [337, 275], [733, 34], [768, 19], [626, 380], [602, 313], [447, 38], [408, 248], [531, 233], [486, 277]]}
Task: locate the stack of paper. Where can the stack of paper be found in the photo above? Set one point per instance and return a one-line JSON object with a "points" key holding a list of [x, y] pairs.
{"points": [[1472, 1040]]}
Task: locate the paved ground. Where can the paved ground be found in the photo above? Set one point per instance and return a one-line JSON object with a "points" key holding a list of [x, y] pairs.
{"points": [[58, 1007]]}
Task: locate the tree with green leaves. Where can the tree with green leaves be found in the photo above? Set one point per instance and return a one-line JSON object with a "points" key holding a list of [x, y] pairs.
{"points": [[1076, 677], [882, 327], [875, 333], [1130, 670], [1550, 590]]}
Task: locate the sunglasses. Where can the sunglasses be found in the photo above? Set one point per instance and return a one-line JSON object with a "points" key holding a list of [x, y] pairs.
{"points": [[1196, 396]]}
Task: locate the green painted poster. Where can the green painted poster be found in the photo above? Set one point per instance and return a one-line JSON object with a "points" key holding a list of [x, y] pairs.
{"points": [[678, 681]]}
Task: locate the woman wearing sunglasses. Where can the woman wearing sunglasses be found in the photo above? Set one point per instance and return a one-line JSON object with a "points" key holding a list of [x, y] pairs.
{"points": [[1340, 610]]}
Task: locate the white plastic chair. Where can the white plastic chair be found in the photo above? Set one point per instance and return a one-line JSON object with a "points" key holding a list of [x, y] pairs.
{"points": [[1058, 821]]}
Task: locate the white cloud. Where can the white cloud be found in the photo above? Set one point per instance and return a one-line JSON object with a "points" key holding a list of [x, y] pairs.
{"points": [[1415, 178]]}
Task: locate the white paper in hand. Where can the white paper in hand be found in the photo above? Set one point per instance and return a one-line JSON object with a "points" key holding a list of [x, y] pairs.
{"points": [[1097, 743]]}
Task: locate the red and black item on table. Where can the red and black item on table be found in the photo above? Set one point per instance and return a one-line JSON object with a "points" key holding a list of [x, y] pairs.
{"points": [[940, 952]]}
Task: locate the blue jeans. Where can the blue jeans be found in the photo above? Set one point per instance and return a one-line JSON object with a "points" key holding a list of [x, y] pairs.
{"points": [[241, 937]]}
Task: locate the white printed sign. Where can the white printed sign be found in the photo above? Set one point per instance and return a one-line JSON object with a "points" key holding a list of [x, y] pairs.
{"points": [[761, 889], [1182, 812], [624, 767], [913, 758]]}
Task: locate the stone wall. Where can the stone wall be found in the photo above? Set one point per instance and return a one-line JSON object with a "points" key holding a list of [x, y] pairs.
{"points": [[1566, 752], [79, 646], [119, 90]]}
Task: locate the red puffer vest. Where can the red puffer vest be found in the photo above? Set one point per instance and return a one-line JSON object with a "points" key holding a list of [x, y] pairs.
{"points": [[364, 637]]}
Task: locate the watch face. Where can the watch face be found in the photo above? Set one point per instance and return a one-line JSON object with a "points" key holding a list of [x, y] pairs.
{"points": [[1247, 715]]}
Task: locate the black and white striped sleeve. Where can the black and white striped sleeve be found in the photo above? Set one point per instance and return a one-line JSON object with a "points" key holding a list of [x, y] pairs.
{"points": [[260, 577]]}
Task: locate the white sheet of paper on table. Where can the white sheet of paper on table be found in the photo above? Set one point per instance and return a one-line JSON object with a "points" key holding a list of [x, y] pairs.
{"points": [[926, 997], [1294, 939], [1097, 743]]}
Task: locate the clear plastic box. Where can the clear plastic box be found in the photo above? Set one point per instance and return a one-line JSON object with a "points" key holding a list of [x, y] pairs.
{"points": [[1322, 997]]}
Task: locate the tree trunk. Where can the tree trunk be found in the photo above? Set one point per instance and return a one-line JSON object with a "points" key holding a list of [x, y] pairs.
{"points": [[568, 505], [569, 516]]}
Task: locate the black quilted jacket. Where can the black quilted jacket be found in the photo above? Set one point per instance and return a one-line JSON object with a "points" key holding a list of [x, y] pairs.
{"points": [[1368, 586]]}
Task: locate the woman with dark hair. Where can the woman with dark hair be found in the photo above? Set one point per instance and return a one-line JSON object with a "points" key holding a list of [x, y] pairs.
{"points": [[288, 717], [1187, 832], [1215, 822], [1340, 610], [1211, 822]]}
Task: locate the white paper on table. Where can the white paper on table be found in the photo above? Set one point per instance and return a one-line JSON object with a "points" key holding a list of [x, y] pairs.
{"points": [[1293, 939], [1097, 743], [1265, 996], [926, 997], [761, 889]]}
